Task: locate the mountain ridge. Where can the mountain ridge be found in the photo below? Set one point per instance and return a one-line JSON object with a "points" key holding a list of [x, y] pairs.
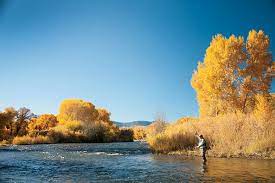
{"points": [[132, 123]]}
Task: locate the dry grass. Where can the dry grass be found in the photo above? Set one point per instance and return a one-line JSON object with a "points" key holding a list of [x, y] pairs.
{"points": [[228, 135], [24, 140], [139, 132], [4, 143]]}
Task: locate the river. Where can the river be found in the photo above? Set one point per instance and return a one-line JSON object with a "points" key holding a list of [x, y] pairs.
{"points": [[122, 162]]}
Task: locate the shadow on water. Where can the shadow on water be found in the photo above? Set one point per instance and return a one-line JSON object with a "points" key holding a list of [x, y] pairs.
{"points": [[121, 162]]}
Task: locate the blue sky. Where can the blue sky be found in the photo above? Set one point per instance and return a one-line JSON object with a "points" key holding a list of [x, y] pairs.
{"points": [[134, 58]]}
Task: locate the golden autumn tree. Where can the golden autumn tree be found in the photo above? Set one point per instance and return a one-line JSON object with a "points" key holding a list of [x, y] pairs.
{"points": [[216, 79], [232, 74], [103, 122], [103, 115], [81, 121], [255, 77], [76, 110], [42, 123], [7, 120]]}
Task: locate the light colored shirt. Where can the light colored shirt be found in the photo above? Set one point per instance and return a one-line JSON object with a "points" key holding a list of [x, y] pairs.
{"points": [[202, 143]]}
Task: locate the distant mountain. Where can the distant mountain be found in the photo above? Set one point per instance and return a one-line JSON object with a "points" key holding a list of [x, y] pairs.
{"points": [[133, 123]]}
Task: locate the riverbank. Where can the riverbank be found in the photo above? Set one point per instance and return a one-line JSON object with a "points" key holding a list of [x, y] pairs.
{"points": [[230, 135], [261, 155], [4, 145]]}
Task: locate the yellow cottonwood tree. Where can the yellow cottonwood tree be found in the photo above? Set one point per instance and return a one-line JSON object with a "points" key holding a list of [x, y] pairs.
{"points": [[216, 79], [232, 73], [76, 110], [255, 75], [42, 123], [103, 115]]}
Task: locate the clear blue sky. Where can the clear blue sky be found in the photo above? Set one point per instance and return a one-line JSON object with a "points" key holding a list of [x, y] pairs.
{"points": [[134, 58]]}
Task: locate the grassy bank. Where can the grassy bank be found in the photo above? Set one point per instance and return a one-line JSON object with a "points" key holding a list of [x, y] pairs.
{"points": [[210, 153], [66, 136], [231, 135]]}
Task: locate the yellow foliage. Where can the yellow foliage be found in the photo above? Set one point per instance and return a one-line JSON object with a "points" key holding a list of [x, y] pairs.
{"points": [[187, 119], [232, 73], [42, 123], [103, 115], [226, 135], [139, 132], [73, 126], [264, 108], [76, 110], [77, 121], [80, 121]]}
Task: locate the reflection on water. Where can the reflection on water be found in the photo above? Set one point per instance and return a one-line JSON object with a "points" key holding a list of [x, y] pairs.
{"points": [[241, 169], [121, 162]]}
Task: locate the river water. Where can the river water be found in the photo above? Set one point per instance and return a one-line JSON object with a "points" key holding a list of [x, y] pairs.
{"points": [[122, 162]]}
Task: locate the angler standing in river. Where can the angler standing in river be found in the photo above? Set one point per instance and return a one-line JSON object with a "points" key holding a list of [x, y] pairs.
{"points": [[202, 146]]}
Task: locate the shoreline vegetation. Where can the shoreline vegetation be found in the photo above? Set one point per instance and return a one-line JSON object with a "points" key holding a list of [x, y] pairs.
{"points": [[236, 110], [78, 121], [232, 135]]}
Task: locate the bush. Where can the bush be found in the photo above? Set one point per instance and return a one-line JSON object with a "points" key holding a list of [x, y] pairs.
{"points": [[227, 135], [24, 140], [126, 135], [98, 131], [139, 132], [66, 136]]}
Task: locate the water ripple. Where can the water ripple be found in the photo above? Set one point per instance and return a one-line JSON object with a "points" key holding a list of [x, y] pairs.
{"points": [[121, 162]]}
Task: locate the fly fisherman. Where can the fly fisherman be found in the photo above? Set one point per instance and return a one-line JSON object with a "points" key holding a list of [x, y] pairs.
{"points": [[202, 145]]}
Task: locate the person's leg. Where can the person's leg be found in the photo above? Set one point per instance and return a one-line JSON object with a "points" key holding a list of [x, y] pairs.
{"points": [[203, 154]]}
